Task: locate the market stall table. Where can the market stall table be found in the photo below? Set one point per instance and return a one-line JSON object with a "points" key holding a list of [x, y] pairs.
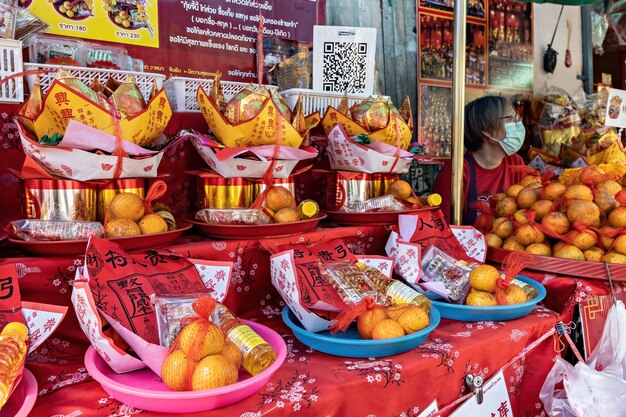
{"points": [[309, 383]]}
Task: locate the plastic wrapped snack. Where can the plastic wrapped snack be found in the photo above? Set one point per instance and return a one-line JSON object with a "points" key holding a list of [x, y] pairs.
{"points": [[234, 216], [351, 283], [384, 203], [30, 229], [397, 292], [530, 291], [173, 312], [439, 267]]}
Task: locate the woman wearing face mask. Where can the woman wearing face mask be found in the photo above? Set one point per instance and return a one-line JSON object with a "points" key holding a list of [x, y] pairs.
{"points": [[493, 134]]}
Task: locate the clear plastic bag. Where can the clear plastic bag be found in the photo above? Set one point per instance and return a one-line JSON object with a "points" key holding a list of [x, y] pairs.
{"points": [[234, 216], [609, 355], [581, 391], [31, 229]]}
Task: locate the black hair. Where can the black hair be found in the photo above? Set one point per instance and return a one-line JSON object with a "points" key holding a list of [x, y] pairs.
{"points": [[482, 115]]}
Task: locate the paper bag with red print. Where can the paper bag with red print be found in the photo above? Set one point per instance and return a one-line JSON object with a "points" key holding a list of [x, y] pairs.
{"points": [[295, 271], [119, 286]]}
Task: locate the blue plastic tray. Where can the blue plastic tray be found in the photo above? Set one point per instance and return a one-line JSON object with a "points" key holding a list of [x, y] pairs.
{"points": [[463, 312], [350, 344]]}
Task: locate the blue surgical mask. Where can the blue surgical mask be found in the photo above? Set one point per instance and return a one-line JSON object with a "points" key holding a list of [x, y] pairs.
{"points": [[514, 139]]}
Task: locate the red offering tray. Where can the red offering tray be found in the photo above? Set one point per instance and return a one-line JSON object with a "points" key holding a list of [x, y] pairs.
{"points": [[75, 247], [256, 231], [23, 397], [374, 218], [567, 267]]}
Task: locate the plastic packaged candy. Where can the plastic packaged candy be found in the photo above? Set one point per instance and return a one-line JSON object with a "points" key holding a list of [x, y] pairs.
{"points": [[29, 229], [530, 291], [437, 266], [13, 349], [45, 48], [351, 283], [234, 216], [396, 291], [384, 203], [172, 313], [257, 354]]}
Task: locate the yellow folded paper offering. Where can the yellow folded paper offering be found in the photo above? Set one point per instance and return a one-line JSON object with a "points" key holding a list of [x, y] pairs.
{"points": [[68, 98], [376, 117], [253, 117]]}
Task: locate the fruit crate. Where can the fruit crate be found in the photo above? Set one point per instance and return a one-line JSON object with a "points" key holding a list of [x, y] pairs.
{"points": [[313, 101], [144, 79], [11, 63], [181, 91]]}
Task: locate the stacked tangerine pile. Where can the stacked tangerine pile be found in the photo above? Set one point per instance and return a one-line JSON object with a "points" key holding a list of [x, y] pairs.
{"points": [[128, 215], [396, 320], [579, 216]]}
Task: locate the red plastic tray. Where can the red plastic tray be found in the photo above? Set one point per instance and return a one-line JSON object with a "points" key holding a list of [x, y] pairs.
{"points": [[375, 218], [76, 247], [256, 231], [565, 267], [23, 398]]}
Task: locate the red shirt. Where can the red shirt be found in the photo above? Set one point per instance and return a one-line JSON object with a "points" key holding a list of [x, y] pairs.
{"points": [[488, 181]]}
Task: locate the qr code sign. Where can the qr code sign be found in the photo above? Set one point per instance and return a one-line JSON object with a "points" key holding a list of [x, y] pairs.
{"points": [[344, 59], [345, 65]]}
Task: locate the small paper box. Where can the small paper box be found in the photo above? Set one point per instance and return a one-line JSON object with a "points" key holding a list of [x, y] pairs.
{"points": [[77, 163], [378, 157], [388, 134], [261, 130], [231, 163], [216, 278], [62, 104]]}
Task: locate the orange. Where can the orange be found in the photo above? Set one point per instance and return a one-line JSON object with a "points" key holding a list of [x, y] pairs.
{"points": [[617, 218], [287, 215], [176, 371], [579, 192], [503, 227], [370, 318], [609, 186], [605, 241], [583, 240], [605, 201], [214, 371], [514, 190], [413, 320], [493, 240], [122, 228], [529, 179], [395, 310], [553, 190], [506, 207], [278, 198], [484, 278], [539, 249], [593, 254], [480, 299], [515, 295], [126, 206], [541, 208], [527, 234], [152, 223], [201, 338], [232, 353], [400, 189], [520, 216], [387, 329], [619, 245], [512, 244], [527, 197], [556, 222], [585, 212], [568, 252], [614, 258]]}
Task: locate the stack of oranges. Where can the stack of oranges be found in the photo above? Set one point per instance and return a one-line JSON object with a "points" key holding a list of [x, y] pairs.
{"points": [[393, 321], [202, 358], [580, 216], [281, 205], [126, 216], [483, 281]]}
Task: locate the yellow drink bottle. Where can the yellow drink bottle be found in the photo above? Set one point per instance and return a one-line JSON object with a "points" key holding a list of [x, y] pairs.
{"points": [[257, 354]]}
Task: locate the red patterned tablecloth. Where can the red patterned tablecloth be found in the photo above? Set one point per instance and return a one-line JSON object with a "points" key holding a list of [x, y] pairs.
{"points": [[309, 383]]}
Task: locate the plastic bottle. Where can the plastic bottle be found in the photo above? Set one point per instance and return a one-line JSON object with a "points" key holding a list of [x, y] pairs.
{"points": [[396, 291], [257, 353], [12, 352]]}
